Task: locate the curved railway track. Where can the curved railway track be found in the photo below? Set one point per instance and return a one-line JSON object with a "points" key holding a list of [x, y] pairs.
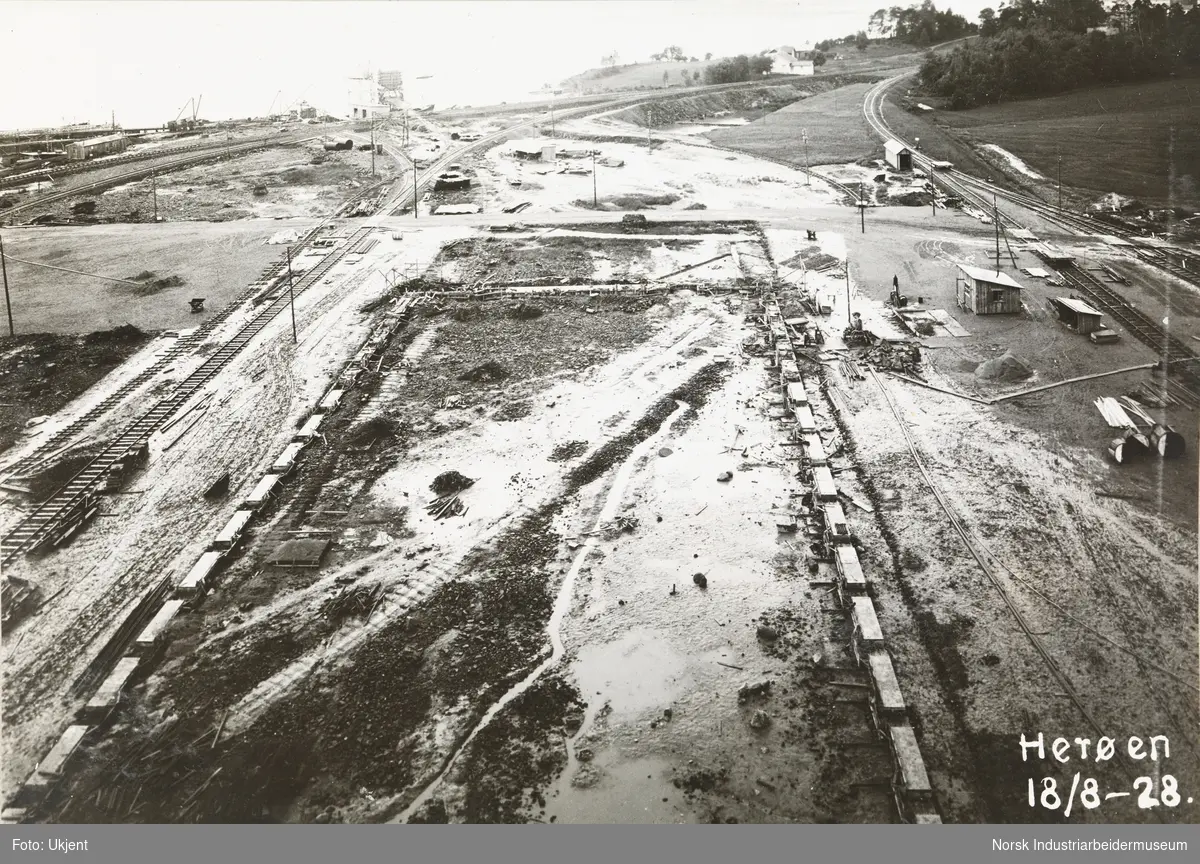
{"points": [[1144, 328]]}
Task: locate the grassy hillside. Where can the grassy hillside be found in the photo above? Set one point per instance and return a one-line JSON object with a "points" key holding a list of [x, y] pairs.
{"points": [[1139, 140], [834, 122], [635, 76]]}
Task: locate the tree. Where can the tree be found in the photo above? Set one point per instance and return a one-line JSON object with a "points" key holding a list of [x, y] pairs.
{"points": [[988, 25], [818, 59], [861, 41], [708, 56]]}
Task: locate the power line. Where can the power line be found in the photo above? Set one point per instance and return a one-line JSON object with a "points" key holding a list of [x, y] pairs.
{"points": [[68, 270]]}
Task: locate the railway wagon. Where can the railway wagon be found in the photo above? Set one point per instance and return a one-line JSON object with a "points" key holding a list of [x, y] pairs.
{"points": [[106, 698], [887, 702], [837, 529], [851, 579], [867, 635], [805, 421], [195, 582], [824, 489], [287, 459], [232, 532], [814, 450], [148, 640], [331, 401], [309, 430], [262, 492], [50, 769], [910, 784]]}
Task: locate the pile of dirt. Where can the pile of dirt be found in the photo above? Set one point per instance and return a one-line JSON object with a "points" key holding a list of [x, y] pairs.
{"points": [[151, 283], [376, 429], [449, 482], [1005, 368], [525, 311], [909, 198], [631, 201], [487, 371], [568, 450]]}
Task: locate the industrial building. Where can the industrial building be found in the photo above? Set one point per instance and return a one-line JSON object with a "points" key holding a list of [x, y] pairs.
{"points": [[79, 151], [363, 98], [987, 292], [898, 156]]}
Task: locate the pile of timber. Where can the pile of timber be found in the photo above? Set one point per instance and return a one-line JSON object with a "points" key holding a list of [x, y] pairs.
{"points": [[446, 506]]}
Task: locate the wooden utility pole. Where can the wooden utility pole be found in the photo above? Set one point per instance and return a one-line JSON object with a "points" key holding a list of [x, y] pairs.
{"points": [[154, 186], [291, 295], [996, 219], [1059, 182], [847, 289], [7, 302], [649, 123], [862, 207], [594, 199], [414, 190], [807, 175], [372, 147]]}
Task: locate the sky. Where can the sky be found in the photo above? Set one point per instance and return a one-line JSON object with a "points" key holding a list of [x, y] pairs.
{"points": [[81, 61]]}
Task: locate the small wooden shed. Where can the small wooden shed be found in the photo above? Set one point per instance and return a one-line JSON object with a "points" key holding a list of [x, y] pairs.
{"points": [[987, 292], [1076, 314], [898, 156]]}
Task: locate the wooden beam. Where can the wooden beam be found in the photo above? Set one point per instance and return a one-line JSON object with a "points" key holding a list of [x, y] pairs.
{"points": [[1073, 381]]}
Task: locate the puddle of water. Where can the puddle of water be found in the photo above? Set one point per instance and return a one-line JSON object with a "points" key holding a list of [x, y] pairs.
{"points": [[640, 672], [623, 793]]}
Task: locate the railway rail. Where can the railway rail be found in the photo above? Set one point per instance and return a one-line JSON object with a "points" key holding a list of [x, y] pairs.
{"points": [[146, 171], [26, 177], [70, 506]]}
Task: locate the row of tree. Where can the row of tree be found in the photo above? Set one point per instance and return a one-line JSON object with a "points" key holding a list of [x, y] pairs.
{"points": [[731, 70], [922, 24], [676, 54], [1047, 48]]}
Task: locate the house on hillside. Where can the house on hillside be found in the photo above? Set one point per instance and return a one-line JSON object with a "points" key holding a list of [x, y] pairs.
{"points": [[786, 61]]}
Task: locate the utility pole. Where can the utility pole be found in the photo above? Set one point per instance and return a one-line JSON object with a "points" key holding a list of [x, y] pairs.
{"points": [[594, 199], [414, 190], [372, 147], [1059, 182], [7, 302], [807, 175], [862, 208], [649, 123], [154, 186], [291, 295], [996, 219], [848, 289]]}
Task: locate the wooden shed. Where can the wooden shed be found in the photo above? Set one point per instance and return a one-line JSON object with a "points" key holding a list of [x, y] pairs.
{"points": [[1076, 314], [898, 156], [987, 292]]}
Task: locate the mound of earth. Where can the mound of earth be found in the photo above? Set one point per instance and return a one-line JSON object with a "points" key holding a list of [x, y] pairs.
{"points": [[1005, 368]]}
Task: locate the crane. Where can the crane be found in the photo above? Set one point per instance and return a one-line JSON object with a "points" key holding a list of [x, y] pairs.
{"points": [[184, 108], [196, 107], [273, 101]]}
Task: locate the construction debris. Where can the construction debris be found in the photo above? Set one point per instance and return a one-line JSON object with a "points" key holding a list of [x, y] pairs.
{"points": [[450, 482], [445, 507]]}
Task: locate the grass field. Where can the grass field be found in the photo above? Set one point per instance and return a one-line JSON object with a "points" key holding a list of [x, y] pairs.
{"points": [[1139, 140], [633, 76], [834, 122]]}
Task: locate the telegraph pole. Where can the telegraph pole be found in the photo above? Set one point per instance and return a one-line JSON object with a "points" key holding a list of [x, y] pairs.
{"points": [[291, 295], [862, 214], [807, 175], [154, 185], [7, 302], [594, 199], [372, 146], [1059, 182], [649, 123], [414, 190]]}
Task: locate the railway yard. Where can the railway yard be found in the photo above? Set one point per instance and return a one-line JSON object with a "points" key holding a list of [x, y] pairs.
{"points": [[533, 468]]}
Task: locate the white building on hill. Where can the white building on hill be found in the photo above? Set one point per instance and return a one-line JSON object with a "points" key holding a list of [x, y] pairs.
{"points": [[785, 61]]}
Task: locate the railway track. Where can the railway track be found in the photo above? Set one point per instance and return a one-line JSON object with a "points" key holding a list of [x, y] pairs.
{"points": [[27, 177], [146, 171], [1138, 323], [66, 509]]}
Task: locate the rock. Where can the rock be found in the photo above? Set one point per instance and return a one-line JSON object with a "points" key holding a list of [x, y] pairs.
{"points": [[700, 579], [322, 819], [724, 476], [749, 691], [583, 754], [760, 720], [665, 451], [769, 634]]}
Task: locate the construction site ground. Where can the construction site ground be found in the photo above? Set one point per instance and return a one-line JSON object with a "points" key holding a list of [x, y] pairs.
{"points": [[390, 683]]}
